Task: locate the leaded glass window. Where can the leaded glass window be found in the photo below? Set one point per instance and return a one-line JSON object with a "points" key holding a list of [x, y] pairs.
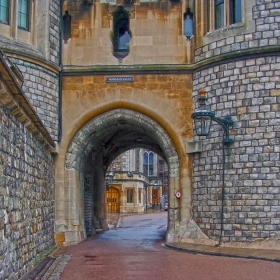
{"points": [[235, 11], [148, 163], [219, 13], [4, 11], [23, 14]]}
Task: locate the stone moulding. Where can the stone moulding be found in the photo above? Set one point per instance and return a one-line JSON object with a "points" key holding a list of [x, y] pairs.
{"points": [[12, 97], [75, 70]]}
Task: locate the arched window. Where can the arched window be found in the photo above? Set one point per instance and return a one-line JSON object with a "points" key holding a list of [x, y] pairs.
{"points": [[148, 163], [121, 34], [66, 26], [188, 23]]}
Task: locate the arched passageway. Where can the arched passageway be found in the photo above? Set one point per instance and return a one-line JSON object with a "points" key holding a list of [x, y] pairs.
{"points": [[97, 144], [88, 156]]}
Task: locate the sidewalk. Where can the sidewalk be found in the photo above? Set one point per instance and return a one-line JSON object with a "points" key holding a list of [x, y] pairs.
{"points": [[53, 271], [257, 254]]}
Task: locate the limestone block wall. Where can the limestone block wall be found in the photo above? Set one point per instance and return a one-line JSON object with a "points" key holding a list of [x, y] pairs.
{"points": [[156, 34], [26, 198], [249, 91], [41, 87]]}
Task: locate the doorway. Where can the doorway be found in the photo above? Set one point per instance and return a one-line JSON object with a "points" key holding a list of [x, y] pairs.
{"points": [[113, 200]]}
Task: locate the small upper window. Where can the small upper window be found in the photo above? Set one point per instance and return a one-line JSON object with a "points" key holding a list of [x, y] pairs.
{"points": [[235, 11], [148, 164], [121, 34], [219, 13], [4, 11], [23, 14]]}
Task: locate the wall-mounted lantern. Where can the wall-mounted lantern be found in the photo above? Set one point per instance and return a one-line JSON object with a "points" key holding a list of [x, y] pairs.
{"points": [[109, 180], [204, 117], [202, 122]]}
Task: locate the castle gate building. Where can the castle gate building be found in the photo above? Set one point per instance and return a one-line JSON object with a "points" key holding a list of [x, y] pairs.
{"points": [[97, 78]]}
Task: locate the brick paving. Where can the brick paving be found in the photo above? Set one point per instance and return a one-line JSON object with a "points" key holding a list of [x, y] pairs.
{"points": [[135, 252]]}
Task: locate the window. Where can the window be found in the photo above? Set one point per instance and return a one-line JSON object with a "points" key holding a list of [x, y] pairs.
{"points": [[148, 163], [161, 165], [235, 11], [66, 27], [139, 195], [23, 14], [4, 11], [226, 12], [188, 23], [122, 34], [129, 196], [219, 13]]}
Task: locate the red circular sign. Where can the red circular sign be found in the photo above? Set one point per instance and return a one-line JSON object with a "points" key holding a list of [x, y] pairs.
{"points": [[178, 194]]}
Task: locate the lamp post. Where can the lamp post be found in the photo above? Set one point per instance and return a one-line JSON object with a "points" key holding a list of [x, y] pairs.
{"points": [[202, 122], [110, 177]]}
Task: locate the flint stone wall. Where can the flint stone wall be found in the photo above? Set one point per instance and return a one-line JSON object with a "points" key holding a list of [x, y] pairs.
{"points": [[249, 91], [54, 30], [41, 87], [26, 198]]}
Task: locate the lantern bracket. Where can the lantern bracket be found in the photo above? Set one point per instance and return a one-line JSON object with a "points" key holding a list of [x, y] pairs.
{"points": [[202, 113]]}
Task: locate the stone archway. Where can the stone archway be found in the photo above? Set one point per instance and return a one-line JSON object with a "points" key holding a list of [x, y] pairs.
{"points": [[90, 152]]}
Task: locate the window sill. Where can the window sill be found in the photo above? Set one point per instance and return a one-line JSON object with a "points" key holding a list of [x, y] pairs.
{"points": [[224, 32], [24, 29]]}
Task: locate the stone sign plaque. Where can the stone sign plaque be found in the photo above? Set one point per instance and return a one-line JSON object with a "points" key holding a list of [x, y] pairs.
{"points": [[119, 79]]}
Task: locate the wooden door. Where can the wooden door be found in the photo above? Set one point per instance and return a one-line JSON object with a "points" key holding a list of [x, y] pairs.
{"points": [[155, 197], [113, 200]]}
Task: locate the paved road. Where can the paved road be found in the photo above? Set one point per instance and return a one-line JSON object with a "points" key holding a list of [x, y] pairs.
{"points": [[135, 252]]}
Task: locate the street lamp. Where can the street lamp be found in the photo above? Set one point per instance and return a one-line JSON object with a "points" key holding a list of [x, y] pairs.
{"points": [[110, 177], [204, 117], [202, 122]]}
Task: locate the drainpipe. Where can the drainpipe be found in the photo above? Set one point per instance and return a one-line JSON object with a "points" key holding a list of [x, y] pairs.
{"points": [[223, 197], [59, 135]]}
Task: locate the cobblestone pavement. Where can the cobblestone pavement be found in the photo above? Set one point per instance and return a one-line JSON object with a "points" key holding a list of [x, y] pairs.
{"points": [[135, 252]]}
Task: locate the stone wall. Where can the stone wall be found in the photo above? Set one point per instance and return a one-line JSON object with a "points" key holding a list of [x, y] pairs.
{"points": [[263, 32], [41, 87], [249, 91], [156, 34], [54, 31], [26, 198]]}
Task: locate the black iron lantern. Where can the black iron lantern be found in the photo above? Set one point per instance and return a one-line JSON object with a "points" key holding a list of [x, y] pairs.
{"points": [[110, 177], [204, 117], [109, 180]]}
